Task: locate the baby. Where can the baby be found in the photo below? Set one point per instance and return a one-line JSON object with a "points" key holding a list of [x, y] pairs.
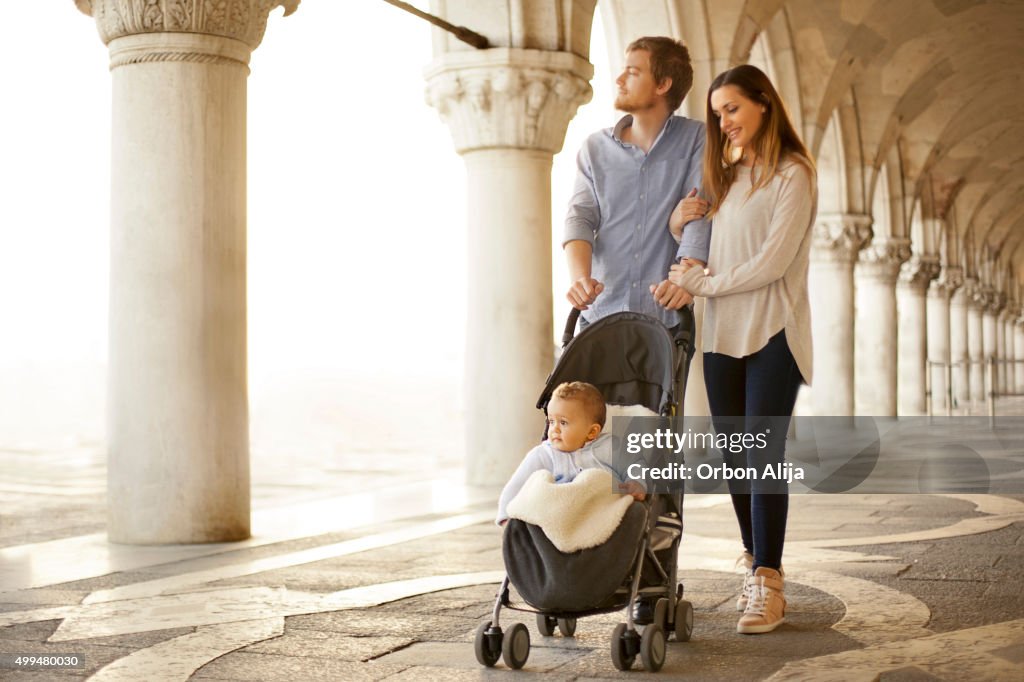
{"points": [[576, 415]]}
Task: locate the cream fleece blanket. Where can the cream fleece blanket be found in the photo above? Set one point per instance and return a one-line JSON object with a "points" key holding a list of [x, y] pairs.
{"points": [[576, 515]]}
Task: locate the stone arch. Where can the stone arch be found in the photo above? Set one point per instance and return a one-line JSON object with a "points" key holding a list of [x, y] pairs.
{"points": [[995, 200], [763, 38], [923, 232], [888, 200], [1009, 225], [856, 167], [833, 195], [937, 236]]}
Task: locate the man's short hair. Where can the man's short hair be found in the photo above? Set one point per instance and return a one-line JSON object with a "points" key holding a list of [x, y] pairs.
{"points": [[587, 395], [669, 59]]}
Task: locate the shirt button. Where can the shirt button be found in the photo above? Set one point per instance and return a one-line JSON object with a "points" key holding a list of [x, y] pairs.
{"points": [[638, 227], [641, 196], [636, 255], [634, 285]]}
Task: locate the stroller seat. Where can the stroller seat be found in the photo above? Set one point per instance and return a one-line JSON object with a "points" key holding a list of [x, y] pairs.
{"points": [[633, 360], [571, 584]]}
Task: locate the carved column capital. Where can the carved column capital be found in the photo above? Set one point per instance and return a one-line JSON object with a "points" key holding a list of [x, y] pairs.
{"points": [[949, 280], [973, 295], [997, 302], [242, 20], [918, 272], [508, 97], [985, 296], [979, 295], [1009, 311], [837, 237], [882, 259]]}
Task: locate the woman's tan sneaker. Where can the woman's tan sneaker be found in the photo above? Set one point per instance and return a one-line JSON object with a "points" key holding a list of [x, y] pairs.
{"points": [[766, 603], [744, 564]]}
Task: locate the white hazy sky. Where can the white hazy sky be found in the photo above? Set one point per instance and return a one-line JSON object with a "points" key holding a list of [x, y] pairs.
{"points": [[357, 225], [356, 195]]}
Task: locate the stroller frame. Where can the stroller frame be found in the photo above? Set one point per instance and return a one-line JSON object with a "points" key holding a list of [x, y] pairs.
{"points": [[672, 613]]}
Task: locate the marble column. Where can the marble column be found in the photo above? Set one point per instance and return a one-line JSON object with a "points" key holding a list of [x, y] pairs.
{"points": [[989, 344], [910, 298], [876, 327], [837, 239], [1018, 351], [1009, 322], [1000, 332], [508, 110], [939, 294], [958, 347], [976, 302], [178, 423]]}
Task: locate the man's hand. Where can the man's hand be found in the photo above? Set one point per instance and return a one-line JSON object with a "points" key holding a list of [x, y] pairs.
{"points": [[583, 292], [670, 296]]}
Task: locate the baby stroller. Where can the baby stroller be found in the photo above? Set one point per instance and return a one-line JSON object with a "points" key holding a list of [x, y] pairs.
{"points": [[633, 360]]}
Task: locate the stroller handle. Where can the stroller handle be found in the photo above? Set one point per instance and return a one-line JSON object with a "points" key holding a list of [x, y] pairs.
{"points": [[570, 327], [574, 316]]}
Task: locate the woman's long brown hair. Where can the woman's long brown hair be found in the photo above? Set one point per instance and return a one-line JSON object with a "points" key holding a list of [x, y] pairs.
{"points": [[775, 140]]}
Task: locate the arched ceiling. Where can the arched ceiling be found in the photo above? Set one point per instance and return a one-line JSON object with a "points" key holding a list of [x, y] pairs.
{"points": [[930, 88]]}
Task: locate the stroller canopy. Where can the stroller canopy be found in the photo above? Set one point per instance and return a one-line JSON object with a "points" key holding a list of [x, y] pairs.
{"points": [[629, 357]]}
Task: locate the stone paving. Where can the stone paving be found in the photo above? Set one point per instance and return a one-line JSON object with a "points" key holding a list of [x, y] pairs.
{"points": [[386, 575], [382, 567]]}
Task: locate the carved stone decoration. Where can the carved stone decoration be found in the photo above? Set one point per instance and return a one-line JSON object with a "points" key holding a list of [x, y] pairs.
{"points": [[996, 301], [507, 97], [882, 258], [918, 272], [949, 280], [983, 296], [837, 237], [244, 20]]}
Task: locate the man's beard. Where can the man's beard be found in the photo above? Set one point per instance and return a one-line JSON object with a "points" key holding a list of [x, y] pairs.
{"points": [[632, 105]]}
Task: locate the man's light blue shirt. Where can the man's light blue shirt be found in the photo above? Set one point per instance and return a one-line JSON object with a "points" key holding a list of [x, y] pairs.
{"points": [[621, 204]]}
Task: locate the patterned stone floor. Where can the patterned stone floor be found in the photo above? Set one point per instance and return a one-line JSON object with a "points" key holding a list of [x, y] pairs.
{"points": [[917, 587], [370, 564]]}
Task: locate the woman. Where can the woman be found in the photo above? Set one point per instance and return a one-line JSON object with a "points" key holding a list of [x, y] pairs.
{"points": [[759, 184]]}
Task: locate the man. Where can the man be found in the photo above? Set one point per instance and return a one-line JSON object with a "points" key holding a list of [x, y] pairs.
{"points": [[629, 180]]}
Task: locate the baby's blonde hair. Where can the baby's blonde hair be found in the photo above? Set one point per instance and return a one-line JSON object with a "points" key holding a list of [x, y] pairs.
{"points": [[588, 395]]}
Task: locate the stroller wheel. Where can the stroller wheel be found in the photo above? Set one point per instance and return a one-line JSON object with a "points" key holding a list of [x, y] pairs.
{"points": [[546, 625], [652, 648], [624, 647], [661, 614], [516, 647], [487, 644], [567, 626], [684, 621]]}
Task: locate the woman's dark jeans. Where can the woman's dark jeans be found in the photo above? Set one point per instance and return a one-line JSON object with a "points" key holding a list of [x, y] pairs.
{"points": [[741, 393]]}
